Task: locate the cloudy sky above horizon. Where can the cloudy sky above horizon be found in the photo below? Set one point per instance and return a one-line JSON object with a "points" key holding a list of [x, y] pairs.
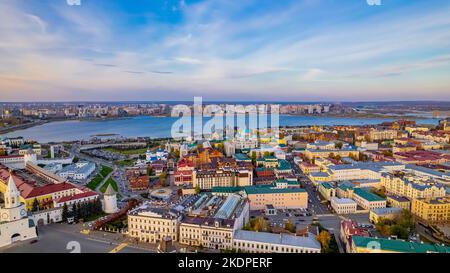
{"points": [[302, 50]]}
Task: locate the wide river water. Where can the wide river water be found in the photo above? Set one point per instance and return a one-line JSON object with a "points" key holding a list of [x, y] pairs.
{"points": [[148, 126]]}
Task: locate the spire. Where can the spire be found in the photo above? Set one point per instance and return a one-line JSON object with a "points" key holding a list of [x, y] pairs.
{"points": [[12, 194], [110, 190]]}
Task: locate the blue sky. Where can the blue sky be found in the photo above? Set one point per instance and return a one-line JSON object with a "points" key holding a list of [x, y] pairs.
{"points": [[302, 50]]}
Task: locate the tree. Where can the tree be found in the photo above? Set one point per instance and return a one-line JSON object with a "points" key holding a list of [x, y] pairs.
{"points": [[35, 205], [176, 154], [339, 145], [261, 225], [290, 226], [65, 212], [163, 179], [197, 189], [254, 157], [324, 238], [150, 171], [74, 212]]}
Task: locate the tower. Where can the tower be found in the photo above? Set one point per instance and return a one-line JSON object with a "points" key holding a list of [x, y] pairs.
{"points": [[14, 222], [13, 209], [12, 194], [110, 200]]}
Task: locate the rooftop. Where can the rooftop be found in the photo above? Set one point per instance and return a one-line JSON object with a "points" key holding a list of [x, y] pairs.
{"points": [[277, 239], [371, 197], [399, 245]]}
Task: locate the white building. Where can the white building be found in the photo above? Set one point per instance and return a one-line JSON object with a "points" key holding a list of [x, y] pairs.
{"points": [[264, 242], [368, 200], [343, 205], [14, 222], [78, 171]]}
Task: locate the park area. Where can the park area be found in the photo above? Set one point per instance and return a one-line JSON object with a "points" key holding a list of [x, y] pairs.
{"points": [[95, 182]]}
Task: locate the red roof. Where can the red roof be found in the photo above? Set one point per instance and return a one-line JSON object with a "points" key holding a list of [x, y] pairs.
{"points": [[76, 197], [28, 189]]}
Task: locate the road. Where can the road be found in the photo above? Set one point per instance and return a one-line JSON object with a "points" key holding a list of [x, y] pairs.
{"points": [[315, 203], [64, 238], [122, 186]]}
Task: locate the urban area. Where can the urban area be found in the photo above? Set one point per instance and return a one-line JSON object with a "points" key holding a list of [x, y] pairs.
{"points": [[382, 188]]}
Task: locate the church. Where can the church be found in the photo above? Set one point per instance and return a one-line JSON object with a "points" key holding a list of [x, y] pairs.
{"points": [[14, 222]]}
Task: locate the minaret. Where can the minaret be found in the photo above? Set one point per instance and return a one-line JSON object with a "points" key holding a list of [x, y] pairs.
{"points": [[110, 200], [12, 194]]}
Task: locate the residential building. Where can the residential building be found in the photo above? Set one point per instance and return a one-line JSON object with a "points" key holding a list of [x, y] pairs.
{"points": [[410, 189], [263, 242], [343, 205], [436, 210], [151, 224], [398, 202], [376, 215], [368, 200]]}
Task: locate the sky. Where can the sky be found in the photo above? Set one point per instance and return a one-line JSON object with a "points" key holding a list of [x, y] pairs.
{"points": [[252, 50]]}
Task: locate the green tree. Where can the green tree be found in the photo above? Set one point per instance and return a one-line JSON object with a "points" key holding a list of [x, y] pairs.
{"points": [[324, 238], [150, 171], [163, 179], [197, 189], [339, 145], [254, 157], [290, 226], [65, 212], [35, 205], [75, 212]]}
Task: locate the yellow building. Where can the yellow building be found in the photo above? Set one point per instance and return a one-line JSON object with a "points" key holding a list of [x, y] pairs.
{"points": [[376, 215], [327, 190], [213, 233], [398, 202], [152, 225], [207, 179], [436, 210], [280, 198], [45, 193], [411, 190], [313, 153]]}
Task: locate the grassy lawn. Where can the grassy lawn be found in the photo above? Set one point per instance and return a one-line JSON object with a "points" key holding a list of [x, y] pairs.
{"points": [[125, 163], [126, 152], [105, 171], [113, 184], [93, 184]]}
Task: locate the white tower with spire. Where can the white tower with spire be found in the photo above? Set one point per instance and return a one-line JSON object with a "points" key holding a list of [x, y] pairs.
{"points": [[110, 200], [14, 222]]}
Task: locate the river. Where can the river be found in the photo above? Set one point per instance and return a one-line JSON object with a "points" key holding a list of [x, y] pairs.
{"points": [[149, 126]]}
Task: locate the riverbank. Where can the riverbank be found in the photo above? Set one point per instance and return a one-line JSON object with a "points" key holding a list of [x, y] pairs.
{"points": [[22, 126]]}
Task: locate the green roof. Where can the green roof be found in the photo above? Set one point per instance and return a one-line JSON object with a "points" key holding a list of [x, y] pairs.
{"points": [[399, 245], [284, 165], [345, 187], [371, 197], [242, 157], [268, 189], [326, 185], [226, 189]]}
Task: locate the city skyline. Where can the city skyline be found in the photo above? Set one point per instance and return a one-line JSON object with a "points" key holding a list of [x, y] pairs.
{"points": [[251, 51]]}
